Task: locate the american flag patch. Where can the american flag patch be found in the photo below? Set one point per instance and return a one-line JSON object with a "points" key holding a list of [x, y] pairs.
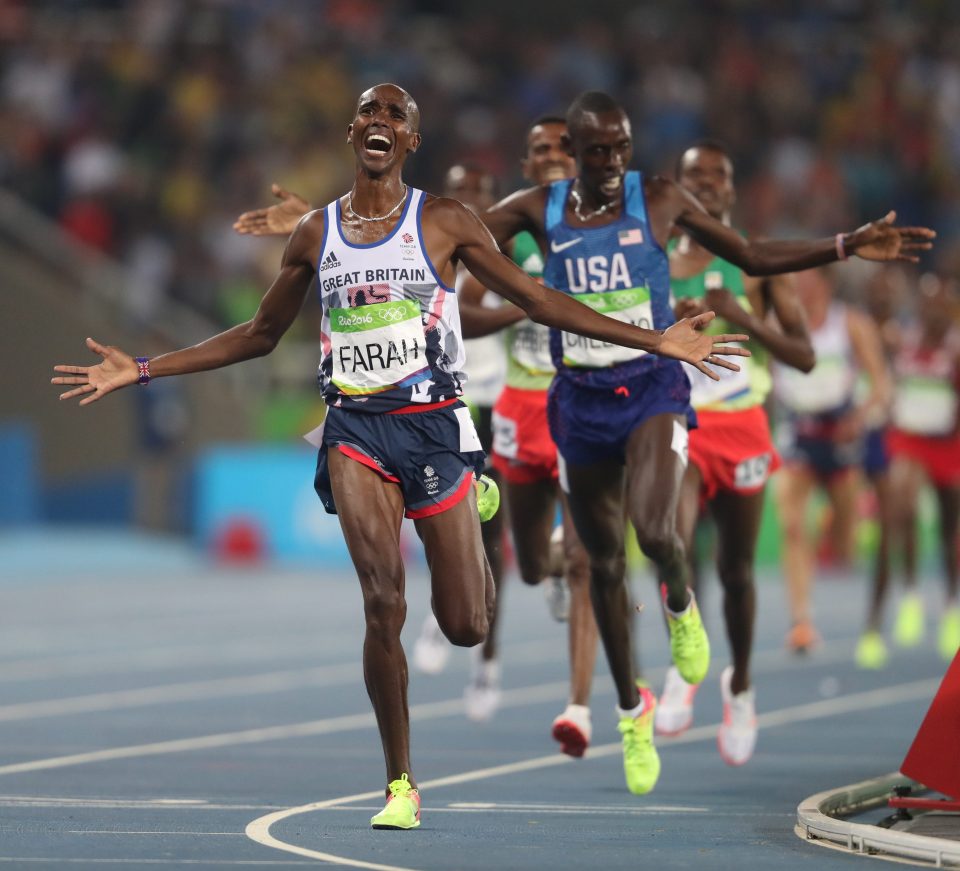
{"points": [[630, 237]]}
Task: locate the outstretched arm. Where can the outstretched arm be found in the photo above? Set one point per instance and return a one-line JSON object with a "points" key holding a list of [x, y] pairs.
{"points": [[257, 337], [878, 240], [277, 220], [478, 320], [785, 336], [474, 246]]}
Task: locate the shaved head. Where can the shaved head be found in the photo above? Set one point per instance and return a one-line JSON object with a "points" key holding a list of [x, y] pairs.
{"points": [[390, 93], [588, 106]]}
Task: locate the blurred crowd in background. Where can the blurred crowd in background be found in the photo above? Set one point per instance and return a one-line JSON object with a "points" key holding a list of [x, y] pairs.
{"points": [[144, 128]]}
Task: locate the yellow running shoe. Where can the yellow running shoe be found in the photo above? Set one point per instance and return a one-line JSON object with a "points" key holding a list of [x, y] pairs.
{"points": [[871, 652], [949, 637], [909, 629], [689, 644], [403, 807], [641, 763], [488, 497]]}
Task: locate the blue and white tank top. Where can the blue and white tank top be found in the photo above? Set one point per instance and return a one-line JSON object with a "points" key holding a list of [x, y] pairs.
{"points": [[827, 390], [618, 270], [390, 332]]}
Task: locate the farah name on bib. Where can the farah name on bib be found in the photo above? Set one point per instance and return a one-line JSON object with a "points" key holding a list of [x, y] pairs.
{"points": [[377, 347]]}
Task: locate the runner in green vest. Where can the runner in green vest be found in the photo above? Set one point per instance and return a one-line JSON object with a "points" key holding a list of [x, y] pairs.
{"points": [[731, 454]]}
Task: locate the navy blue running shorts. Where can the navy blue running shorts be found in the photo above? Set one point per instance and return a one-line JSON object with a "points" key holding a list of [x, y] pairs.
{"points": [[592, 425], [432, 455]]}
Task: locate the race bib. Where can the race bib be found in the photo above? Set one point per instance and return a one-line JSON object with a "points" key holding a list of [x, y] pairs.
{"points": [[704, 391], [630, 306], [752, 473], [531, 347], [925, 406], [504, 436], [377, 347]]}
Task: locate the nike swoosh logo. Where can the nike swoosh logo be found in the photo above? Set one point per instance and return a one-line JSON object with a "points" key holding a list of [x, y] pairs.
{"points": [[557, 248]]}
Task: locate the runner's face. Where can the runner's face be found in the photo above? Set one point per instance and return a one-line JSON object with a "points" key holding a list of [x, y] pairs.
{"points": [[547, 157], [384, 129], [603, 148], [708, 175]]}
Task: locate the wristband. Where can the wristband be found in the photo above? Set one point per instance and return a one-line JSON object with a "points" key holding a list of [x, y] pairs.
{"points": [[841, 248], [143, 370]]}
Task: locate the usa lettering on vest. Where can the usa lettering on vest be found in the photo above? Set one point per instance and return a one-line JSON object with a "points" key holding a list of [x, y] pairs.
{"points": [[597, 273]]}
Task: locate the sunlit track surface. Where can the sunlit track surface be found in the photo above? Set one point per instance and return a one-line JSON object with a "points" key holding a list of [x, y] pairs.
{"points": [[203, 718]]}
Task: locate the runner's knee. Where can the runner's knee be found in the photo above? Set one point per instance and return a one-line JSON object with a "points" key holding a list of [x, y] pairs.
{"points": [[660, 542], [384, 606], [465, 629]]}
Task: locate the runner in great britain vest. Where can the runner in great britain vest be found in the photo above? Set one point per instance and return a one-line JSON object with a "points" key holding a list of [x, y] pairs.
{"points": [[391, 329]]}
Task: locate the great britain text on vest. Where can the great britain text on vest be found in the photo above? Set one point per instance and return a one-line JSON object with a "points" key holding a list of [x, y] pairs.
{"points": [[372, 275]]}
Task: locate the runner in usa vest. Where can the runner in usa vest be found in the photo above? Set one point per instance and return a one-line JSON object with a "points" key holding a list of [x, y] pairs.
{"points": [[391, 329], [618, 270]]}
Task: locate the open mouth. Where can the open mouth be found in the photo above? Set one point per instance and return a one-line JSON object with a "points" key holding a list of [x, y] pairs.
{"points": [[377, 143], [611, 186]]}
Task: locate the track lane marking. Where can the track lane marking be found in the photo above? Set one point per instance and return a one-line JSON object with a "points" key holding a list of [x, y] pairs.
{"points": [[258, 830]]}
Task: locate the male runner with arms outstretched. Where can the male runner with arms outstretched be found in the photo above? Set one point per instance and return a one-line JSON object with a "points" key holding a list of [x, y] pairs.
{"points": [[619, 417], [396, 438]]}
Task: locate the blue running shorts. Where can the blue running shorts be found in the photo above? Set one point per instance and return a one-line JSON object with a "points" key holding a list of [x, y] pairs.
{"points": [[431, 454], [591, 425]]}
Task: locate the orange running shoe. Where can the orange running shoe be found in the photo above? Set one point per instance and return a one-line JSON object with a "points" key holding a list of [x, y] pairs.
{"points": [[802, 637]]}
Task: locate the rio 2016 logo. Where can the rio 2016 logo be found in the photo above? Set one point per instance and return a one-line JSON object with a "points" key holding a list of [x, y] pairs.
{"points": [[353, 320]]}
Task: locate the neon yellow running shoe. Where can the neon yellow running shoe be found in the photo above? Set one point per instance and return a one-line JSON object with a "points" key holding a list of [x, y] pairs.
{"points": [[909, 629], [403, 807], [641, 763], [948, 640], [689, 644], [871, 652], [488, 497]]}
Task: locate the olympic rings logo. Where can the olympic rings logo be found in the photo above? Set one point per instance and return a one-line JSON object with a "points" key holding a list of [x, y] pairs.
{"points": [[392, 315]]}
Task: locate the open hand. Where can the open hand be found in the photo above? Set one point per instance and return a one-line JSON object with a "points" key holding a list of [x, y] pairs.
{"points": [[686, 341], [278, 220], [116, 370], [881, 240]]}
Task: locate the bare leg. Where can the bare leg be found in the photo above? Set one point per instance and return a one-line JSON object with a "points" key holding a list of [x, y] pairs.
{"points": [[793, 486], [596, 508], [906, 480], [582, 625], [843, 490], [738, 523], [881, 565], [948, 499], [654, 475], [370, 511]]}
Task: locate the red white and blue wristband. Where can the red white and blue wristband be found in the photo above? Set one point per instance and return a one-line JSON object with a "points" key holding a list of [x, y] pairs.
{"points": [[143, 370]]}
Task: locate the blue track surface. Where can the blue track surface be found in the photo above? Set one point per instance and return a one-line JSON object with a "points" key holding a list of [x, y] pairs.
{"points": [[151, 716]]}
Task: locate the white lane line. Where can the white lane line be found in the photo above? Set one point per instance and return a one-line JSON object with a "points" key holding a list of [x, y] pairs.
{"points": [[259, 829], [532, 695], [269, 682], [56, 861], [519, 697], [127, 804], [328, 675]]}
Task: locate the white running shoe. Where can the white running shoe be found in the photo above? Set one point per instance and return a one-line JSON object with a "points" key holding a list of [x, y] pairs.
{"points": [[738, 732], [481, 697], [431, 650], [572, 729], [674, 714], [557, 592]]}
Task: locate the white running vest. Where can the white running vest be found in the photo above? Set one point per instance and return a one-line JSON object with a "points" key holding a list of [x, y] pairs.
{"points": [[391, 330], [830, 384]]}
